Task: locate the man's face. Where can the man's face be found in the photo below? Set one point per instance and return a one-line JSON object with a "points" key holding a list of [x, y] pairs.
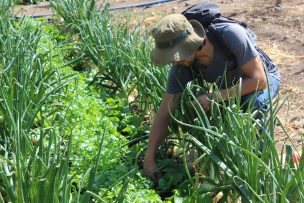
{"points": [[204, 54]]}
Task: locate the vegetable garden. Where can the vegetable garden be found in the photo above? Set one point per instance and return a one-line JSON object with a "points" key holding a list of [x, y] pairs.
{"points": [[76, 99]]}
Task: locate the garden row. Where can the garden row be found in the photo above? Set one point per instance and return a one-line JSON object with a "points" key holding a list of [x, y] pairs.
{"points": [[81, 137], [221, 144], [60, 140]]}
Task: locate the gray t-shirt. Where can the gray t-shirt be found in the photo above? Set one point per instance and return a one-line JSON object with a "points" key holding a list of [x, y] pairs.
{"points": [[241, 42]]}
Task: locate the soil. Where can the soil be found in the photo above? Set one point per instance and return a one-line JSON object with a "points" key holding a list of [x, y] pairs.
{"points": [[280, 31]]}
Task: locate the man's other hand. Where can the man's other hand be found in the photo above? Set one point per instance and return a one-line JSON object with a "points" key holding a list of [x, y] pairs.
{"points": [[204, 102], [150, 169]]}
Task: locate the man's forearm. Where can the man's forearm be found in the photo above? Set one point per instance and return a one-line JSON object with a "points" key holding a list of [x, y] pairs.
{"points": [[248, 85], [158, 133], [160, 125]]}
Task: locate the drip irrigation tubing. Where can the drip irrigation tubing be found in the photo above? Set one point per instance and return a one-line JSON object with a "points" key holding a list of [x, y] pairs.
{"points": [[147, 4], [141, 5]]}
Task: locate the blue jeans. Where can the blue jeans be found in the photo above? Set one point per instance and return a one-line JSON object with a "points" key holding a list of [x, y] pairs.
{"points": [[260, 100]]}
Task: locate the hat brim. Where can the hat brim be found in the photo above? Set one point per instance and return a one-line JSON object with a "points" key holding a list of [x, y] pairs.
{"points": [[198, 28], [182, 50]]}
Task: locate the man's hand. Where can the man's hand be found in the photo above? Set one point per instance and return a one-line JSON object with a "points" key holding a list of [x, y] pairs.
{"points": [[150, 169], [204, 102]]}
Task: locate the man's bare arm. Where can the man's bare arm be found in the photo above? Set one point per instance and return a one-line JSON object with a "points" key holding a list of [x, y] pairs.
{"points": [[159, 131]]}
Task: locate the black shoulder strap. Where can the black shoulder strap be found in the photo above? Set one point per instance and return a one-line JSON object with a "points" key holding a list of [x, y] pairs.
{"points": [[208, 14], [217, 40]]}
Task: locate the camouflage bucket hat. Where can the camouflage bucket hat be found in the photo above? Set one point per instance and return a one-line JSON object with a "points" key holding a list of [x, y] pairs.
{"points": [[176, 39]]}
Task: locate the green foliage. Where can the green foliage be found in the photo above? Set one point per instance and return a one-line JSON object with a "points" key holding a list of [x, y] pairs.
{"points": [[119, 53], [73, 140], [172, 175], [87, 114], [75, 12], [225, 144], [31, 159], [66, 140]]}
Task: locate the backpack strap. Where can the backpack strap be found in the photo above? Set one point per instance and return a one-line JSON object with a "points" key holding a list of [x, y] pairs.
{"points": [[208, 14], [217, 40]]}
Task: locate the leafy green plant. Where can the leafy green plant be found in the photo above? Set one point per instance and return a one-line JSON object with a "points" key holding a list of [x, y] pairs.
{"points": [[120, 55]]}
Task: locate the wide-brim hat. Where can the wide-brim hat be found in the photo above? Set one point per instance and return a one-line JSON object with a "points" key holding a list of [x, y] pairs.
{"points": [[176, 39]]}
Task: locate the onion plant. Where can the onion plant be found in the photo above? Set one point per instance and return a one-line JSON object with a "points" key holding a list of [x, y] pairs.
{"points": [[120, 54], [225, 143], [74, 12], [35, 136], [5, 6], [228, 148], [33, 164]]}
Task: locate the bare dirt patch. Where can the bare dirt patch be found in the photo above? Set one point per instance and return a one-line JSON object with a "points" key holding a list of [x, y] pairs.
{"points": [[280, 32]]}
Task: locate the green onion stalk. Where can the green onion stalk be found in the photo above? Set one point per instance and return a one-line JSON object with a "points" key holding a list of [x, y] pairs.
{"points": [[34, 159], [226, 146], [120, 54]]}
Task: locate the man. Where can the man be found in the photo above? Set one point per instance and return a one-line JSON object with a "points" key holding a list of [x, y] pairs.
{"points": [[184, 44]]}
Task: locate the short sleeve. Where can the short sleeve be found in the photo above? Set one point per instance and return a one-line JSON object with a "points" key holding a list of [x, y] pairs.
{"points": [[178, 78]]}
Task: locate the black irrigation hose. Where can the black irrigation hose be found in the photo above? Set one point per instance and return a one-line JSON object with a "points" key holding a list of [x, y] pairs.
{"points": [[140, 5], [112, 9]]}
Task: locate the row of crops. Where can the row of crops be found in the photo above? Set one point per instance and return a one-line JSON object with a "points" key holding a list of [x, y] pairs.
{"points": [[76, 97]]}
